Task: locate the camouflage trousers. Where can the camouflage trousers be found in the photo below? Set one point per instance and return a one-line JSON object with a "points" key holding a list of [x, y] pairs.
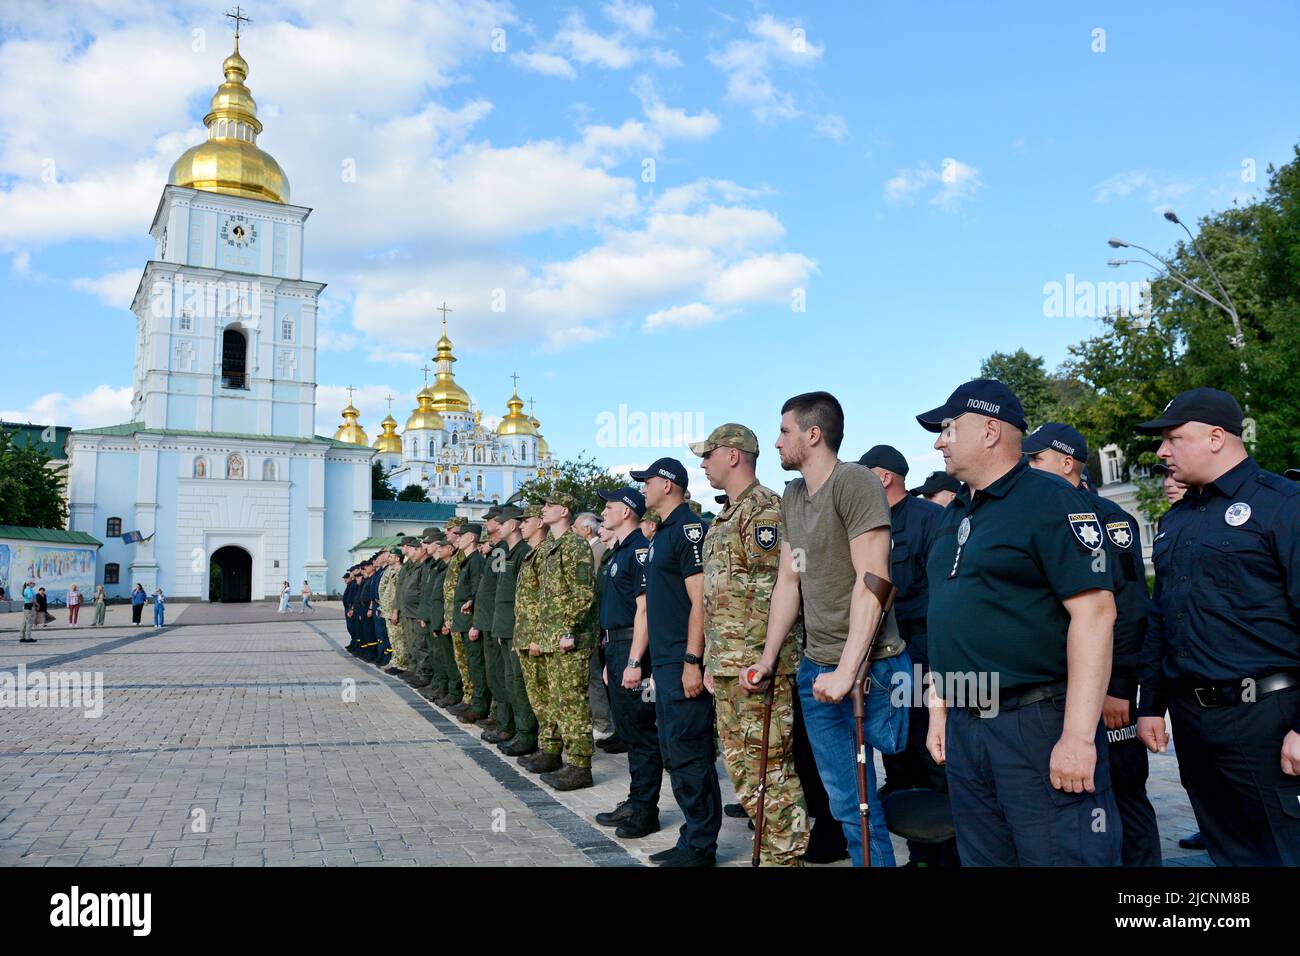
{"points": [[397, 633], [462, 664], [740, 728], [528, 667], [562, 708]]}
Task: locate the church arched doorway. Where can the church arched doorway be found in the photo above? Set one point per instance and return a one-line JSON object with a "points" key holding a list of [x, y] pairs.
{"points": [[230, 575]]}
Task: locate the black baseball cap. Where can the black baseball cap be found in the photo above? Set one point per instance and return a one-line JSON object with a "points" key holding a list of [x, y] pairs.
{"points": [[627, 496], [983, 396], [887, 457], [1293, 474], [1162, 469], [669, 468], [937, 481], [1208, 405], [1058, 437]]}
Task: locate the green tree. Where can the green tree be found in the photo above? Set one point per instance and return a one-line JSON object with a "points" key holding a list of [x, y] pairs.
{"points": [[1025, 375], [30, 492], [580, 477], [412, 493], [380, 488]]}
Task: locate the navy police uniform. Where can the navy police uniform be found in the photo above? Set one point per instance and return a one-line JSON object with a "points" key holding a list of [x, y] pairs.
{"points": [[685, 724], [1004, 559], [634, 713], [1222, 652]]}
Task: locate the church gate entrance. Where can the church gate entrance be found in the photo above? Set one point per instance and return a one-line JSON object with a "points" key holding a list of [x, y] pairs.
{"points": [[231, 575]]}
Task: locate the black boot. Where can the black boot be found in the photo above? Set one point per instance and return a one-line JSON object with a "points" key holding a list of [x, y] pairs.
{"points": [[643, 822]]}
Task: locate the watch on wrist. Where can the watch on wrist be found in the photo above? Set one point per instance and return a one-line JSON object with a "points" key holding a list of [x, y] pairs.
{"points": [[694, 659], [634, 662]]}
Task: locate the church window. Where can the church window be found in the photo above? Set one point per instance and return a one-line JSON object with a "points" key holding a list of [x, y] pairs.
{"points": [[453, 438], [268, 470], [186, 322], [200, 467], [111, 573], [234, 359], [221, 128], [480, 483], [286, 330], [113, 528]]}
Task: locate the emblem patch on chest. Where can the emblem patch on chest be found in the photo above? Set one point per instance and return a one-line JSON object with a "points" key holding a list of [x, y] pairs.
{"points": [[1086, 528], [694, 532], [1238, 513], [641, 554], [765, 536], [1119, 533], [963, 531]]}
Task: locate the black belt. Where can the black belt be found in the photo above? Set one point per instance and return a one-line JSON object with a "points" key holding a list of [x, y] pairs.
{"points": [[1023, 697], [1247, 690], [613, 633]]}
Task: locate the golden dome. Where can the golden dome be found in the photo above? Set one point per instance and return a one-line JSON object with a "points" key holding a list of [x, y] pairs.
{"points": [[447, 395], [516, 423], [351, 431], [424, 415], [543, 449], [389, 441], [229, 161]]}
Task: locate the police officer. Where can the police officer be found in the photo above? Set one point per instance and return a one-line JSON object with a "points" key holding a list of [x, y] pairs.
{"points": [[350, 587], [742, 551], [938, 488], [369, 650], [626, 666], [673, 606], [1060, 450], [913, 521], [1223, 650], [1017, 576]]}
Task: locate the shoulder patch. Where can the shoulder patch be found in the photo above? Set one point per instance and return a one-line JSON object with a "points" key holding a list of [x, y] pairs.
{"points": [[765, 536], [1120, 534], [694, 532], [1086, 528], [641, 554]]}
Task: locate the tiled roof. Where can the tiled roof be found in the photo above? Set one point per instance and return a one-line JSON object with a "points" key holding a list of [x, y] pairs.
{"points": [[47, 535]]}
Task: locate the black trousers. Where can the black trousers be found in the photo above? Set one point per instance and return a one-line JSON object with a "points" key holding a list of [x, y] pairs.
{"points": [[1140, 834], [136, 610], [686, 744], [634, 713], [1229, 759]]}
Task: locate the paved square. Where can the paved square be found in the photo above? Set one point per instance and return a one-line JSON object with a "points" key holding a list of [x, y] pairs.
{"points": [[262, 742]]}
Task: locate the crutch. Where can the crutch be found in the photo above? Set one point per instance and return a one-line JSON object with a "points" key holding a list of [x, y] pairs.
{"points": [[884, 593], [762, 765]]}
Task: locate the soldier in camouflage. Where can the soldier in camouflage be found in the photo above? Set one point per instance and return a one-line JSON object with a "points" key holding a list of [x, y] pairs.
{"points": [[741, 557], [388, 601], [397, 629], [528, 648], [447, 674], [563, 633], [449, 600]]}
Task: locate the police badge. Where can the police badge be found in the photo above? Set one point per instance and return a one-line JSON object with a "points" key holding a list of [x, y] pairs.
{"points": [[1119, 533], [1238, 513], [765, 536], [694, 532], [1087, 529], [641, 555]]}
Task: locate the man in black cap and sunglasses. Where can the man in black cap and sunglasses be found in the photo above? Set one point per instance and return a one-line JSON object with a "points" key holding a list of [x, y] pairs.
{"points": [[1222, 652]]}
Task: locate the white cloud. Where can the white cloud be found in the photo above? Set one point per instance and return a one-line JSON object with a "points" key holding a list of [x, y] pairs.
{"points": [[670, 122], [687, 316], [103, 405], [761, 278], [114, 289], [587, 46], [949, 186], [546, 63], [21, 264], [369, 400], [749, 64], [833, 127], [1159, 189], [638, 18]]}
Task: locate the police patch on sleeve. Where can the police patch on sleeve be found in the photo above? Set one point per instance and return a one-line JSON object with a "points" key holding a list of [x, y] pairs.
{"points": [[641, 554], [1120, 534], [765, 536], [1086, 528], [694, 532]]}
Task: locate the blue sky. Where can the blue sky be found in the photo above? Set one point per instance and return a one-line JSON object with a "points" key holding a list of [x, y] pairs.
{"points": [[920, 173]]}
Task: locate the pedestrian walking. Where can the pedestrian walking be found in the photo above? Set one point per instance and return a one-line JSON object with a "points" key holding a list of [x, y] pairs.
{"points": [[43, 616], [138, 598], [29, 613], [159, 608], [284, 598], [306, 598]]}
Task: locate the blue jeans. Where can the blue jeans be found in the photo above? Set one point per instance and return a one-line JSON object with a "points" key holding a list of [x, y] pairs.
{"points": [[158, 610], [833, 736]]}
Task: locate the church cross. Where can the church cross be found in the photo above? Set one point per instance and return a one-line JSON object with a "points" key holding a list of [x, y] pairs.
{"points": [[531, 403], [444, 310], [237, 16], [425, 370], [350, 391], [514, 376], [389, 399]]}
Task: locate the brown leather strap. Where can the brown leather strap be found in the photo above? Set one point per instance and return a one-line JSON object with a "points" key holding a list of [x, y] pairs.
{"points": [[884, 592]]}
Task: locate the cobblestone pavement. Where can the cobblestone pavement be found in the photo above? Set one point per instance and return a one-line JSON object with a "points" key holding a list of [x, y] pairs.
{"points": [[263, 743]]}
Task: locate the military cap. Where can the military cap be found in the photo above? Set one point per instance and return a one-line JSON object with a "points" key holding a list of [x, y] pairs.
{"points": [[1058, 437], [669, 468], [533, 511], [628, 496], [470, 527], [509, 513], [984, 396], [723, 500], [730, 435], [887, 457], [433, 536], [936, 482], [1292, 473], [493, 512], [429, 531], [562, 498], [695, 506], [455, 522], [652, 515], [410, 542], [1208, 405], [395, 550]]}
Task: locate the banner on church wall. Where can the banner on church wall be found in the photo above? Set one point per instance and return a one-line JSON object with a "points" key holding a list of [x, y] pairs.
{"points": [[53, 568]]}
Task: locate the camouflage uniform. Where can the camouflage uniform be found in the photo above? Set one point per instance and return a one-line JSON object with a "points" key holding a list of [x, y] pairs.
{"points": [[528, 590], [388, 604], [448, 600], [567, 576], [408, 604], [742, 551], [397, 632]]}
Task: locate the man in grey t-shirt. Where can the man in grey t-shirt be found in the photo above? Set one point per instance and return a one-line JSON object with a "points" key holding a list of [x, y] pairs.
{"points": [[836, 525]]}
